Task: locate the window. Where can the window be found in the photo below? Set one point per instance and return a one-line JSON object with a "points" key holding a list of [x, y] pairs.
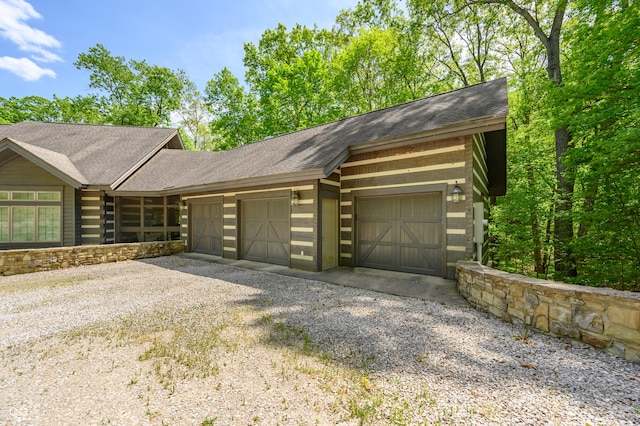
{"points": [[148, 219], [30, 216], [4, 224]]}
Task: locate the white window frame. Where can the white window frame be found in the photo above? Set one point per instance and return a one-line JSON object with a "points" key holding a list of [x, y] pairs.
{"points": [[10, 201]]}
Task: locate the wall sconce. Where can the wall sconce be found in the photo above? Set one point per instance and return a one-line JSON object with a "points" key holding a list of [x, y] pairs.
{"points": [[295, 197], [182, 205], [456, 193]]}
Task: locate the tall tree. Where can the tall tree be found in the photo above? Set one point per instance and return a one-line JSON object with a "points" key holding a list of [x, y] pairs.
{"points": [[460, 43], [133, 92], [195, 118], [521, 221], [601, 103], [235, 113], [545, 19], [289, 73]]}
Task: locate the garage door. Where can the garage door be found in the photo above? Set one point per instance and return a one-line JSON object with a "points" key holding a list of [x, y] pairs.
{"points": [[206, 228], [401, 233], [265, 230]]}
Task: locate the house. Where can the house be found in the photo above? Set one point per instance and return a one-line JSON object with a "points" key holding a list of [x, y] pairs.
{"points": [[405, 188]]}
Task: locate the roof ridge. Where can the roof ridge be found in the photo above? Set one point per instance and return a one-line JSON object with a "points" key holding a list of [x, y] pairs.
{"points": [[104, 125]]}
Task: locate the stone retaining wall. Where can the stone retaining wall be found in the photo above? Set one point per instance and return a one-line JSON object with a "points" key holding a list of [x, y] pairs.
{"points": [[33, 260], [602, 317]]}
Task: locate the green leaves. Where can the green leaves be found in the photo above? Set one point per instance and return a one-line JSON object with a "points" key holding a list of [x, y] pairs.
{"points": [[133, 92]]}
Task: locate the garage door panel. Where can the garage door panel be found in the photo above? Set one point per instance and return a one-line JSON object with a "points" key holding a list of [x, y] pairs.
{"points": [[277, 251], [419, 260], [402, 233], [372, 209], [265, 230], [376, 256], [207, 229], [424, 234], [278, 209]]}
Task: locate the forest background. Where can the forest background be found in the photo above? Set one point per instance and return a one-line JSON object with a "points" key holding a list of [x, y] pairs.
{"points": [[571, 212]]}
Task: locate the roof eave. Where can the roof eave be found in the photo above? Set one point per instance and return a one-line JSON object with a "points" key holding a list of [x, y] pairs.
{"points": [[238, 184]]}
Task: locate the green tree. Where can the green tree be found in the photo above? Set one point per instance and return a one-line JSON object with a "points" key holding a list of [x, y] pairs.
{"points": [[234, 112], [133, 92], [195, 119], [521, 221], [288, 71], [29, 108], [459, 40], [545, 20], [601, 103]]}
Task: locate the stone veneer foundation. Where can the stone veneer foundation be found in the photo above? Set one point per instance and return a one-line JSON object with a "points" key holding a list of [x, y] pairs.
{"points": [[602, 317], [24, 261]]}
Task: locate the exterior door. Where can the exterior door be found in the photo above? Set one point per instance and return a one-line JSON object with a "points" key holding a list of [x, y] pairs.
{"points": [[330, 232], [265, 230], [206, 229], [401, 233]]}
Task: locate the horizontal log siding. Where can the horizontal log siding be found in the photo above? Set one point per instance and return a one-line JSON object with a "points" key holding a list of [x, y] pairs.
{"points": [[92, 217], [480, 185], [421, 164], [23, 173], [303, 219], [109, 219], [230, 227], [184, 223], [304, 230]]}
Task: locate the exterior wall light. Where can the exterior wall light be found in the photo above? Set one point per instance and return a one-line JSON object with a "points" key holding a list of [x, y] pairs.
{"points": [[457, 192], [295, 197]]}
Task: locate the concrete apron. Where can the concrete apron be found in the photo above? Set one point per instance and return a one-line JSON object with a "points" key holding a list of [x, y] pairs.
{"points": [[397, 283]]}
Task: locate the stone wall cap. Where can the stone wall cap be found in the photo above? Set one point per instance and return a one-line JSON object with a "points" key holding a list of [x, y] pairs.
{"points": [[574, 289]]}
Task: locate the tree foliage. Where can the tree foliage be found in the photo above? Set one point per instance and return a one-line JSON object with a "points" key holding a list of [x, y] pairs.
{"points": [[132, 92]]}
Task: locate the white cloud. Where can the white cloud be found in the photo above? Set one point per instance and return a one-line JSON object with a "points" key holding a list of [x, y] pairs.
{"points": [[25, 68], [13, 27]]}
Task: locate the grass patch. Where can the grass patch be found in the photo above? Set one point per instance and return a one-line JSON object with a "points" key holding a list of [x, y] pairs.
{"points": [[35, 284], [180, 343]]}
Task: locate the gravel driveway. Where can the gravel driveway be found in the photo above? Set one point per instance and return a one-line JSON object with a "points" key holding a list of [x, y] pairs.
{"points": [[180, 341]]}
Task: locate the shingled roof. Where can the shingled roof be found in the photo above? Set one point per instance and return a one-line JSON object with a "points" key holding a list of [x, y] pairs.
{"points": [[88, 154], [315, 152]]}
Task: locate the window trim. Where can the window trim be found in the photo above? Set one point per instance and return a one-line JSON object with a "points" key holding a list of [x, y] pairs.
{"points": [[10, 204]]}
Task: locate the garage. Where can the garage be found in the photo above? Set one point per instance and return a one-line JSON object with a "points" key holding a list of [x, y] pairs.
{"points": [[265, 230], [206, 228], [401, 233]]}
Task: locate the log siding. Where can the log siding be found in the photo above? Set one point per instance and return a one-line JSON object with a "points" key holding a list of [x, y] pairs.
{"points": [[480, 188], [420, 167]]}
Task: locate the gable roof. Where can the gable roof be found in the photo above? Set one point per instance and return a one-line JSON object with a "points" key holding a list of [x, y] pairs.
{"points": [[315, 152], [57, 164], [101, 155]]}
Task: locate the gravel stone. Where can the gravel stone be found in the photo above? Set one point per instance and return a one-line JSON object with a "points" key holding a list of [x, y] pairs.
{"points": [[80, 346]]}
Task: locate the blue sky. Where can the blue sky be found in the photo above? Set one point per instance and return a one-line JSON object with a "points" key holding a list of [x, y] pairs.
{"points": [[40, 39]]}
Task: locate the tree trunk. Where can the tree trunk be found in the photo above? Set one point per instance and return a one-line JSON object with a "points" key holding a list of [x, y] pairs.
{"points": [[564, 261]]}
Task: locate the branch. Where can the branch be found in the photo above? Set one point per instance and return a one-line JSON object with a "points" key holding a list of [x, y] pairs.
{"points": [[533, 23]]}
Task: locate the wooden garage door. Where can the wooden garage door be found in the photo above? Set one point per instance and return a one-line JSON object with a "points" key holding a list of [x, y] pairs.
{"points": [[265, 230], [401, 233], [206, 228]]}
